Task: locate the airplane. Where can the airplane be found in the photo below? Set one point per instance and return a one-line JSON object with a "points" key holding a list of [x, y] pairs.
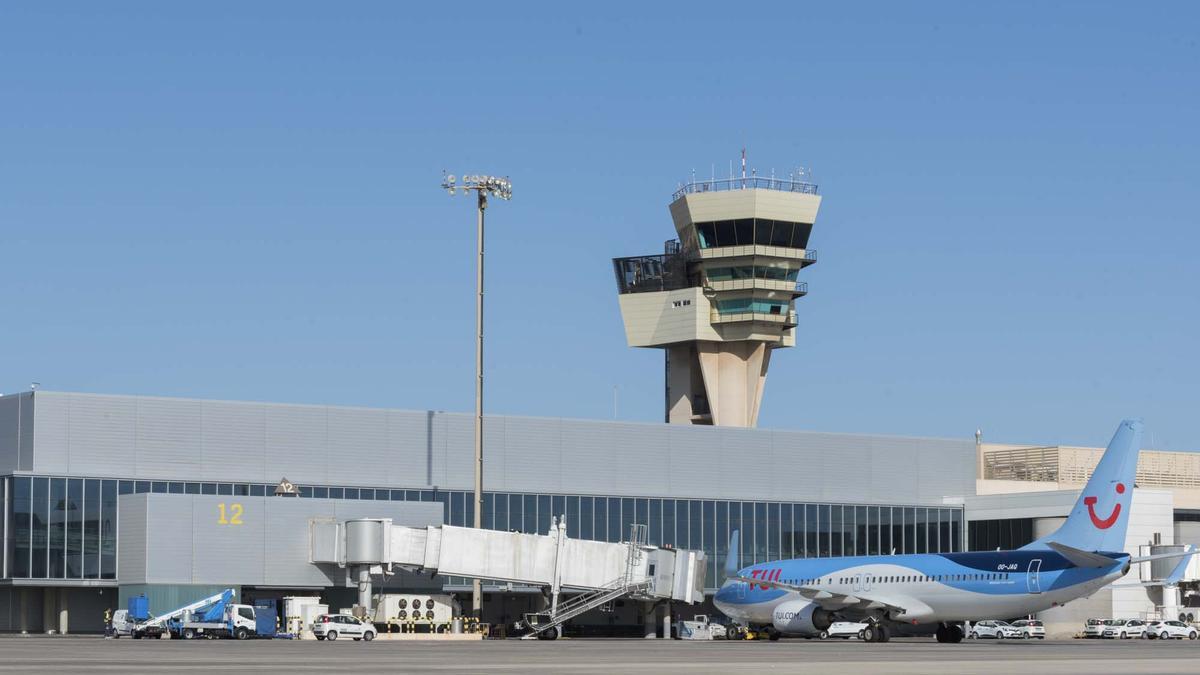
{"points": [[804, 596]]}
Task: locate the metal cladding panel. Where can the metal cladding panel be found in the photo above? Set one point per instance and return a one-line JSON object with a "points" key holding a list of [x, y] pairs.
{"points": [[228, 539], [181, 539], [133, 544], [893, 476], [169, 541], [296, 443], [232, 445], [792, 467], [495, 455], [454, 446], [10, 432], [26, 439], [646, 448], [128, 437], [359, 433], [845, 466], [168, 438], [409, 447], [99, 435], [940, 466], [456, 464], [534, 458]]}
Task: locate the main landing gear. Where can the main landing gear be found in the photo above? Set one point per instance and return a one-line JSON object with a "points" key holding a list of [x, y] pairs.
{"points": [[949, 633], [876, 632]]}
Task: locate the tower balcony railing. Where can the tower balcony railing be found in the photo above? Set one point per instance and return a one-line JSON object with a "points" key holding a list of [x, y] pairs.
{"points": [[786, 319], [747, 183], [806, 256], [755, 284]]}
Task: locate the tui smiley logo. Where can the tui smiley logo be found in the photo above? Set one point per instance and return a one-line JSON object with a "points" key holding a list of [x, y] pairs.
{"points": [[1104, 524]]}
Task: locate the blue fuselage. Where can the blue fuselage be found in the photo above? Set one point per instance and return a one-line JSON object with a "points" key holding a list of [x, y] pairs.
{"points": [[920, 588]]}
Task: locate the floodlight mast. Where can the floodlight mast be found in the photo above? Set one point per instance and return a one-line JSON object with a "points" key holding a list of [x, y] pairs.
{"points": [[499, 187]]}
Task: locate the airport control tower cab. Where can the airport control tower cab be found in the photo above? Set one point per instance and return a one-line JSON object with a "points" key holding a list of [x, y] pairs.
{"points": [[721, 297]]}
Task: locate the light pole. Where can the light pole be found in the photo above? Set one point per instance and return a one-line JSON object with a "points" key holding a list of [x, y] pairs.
{"points": [[502, 188]]}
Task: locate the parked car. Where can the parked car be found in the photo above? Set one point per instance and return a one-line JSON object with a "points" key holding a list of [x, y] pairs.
{"points": [[1123, 629], [842, 629], [1094, 628], [332, 626], [1166, 630], [994, 629], [1030, 628]]}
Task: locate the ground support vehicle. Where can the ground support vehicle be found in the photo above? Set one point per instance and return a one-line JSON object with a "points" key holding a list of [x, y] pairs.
{"points": [[700, 627], [842, 629], [220, 620], [333, 626], [214, 616]]}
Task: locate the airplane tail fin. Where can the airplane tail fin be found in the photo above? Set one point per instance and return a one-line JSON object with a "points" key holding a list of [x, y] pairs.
{"points": [[1100, 517], [731, 558]]}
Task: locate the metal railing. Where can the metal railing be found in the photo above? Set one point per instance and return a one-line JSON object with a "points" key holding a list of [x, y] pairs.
{"points": [[750, 182]]}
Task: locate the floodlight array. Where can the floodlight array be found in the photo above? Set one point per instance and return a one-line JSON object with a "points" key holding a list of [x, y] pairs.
{"points": [[495, 186]]}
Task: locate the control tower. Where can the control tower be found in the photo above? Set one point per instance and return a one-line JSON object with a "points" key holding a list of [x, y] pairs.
{"points": [[721, 297]]}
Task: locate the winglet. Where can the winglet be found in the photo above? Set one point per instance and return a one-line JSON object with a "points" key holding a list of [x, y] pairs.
{"points": [[731, 558]]}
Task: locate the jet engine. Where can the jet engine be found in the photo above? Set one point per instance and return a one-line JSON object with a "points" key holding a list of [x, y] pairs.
{"points": [[798, 617]]}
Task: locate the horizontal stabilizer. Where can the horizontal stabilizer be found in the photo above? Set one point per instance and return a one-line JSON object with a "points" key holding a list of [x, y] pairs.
{"points": [[1160, 556], [1080, 558]]}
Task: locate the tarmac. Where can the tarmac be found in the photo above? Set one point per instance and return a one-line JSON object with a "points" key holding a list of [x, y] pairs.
{"points": [[66, 654]]}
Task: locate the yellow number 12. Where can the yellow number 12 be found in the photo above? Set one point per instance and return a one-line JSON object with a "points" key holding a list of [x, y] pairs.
{"points": [[235, 514]]}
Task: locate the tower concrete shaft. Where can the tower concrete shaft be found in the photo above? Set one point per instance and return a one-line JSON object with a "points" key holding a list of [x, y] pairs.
{"points": [[722, 296]]}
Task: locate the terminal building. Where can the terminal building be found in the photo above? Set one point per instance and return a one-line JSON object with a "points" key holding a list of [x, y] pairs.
{"points": [[91, 483]]}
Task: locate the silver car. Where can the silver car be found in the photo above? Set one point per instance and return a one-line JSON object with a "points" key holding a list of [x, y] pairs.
{"points": [[332, 626]]}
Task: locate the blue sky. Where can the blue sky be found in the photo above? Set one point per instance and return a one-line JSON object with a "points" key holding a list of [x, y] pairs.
{"points": [[240, 200]]}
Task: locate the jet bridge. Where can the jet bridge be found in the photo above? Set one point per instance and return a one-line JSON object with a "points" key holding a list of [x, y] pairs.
{"points": [[597, 572]]}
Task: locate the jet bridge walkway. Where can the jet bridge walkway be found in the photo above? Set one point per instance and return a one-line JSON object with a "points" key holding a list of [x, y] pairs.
{"points": [[598, 572]]}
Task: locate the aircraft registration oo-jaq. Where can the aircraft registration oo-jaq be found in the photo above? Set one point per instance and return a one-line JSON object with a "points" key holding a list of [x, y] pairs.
{"points": [[805, 596]]}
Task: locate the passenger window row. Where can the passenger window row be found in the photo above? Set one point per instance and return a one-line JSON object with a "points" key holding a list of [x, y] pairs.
{"points": [[907, 579]]}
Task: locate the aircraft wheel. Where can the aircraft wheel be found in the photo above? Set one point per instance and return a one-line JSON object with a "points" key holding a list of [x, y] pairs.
{"points": [[870, 634], [885, 634], [774, 635]]}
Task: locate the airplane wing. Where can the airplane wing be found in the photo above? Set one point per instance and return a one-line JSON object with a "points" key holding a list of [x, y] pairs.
{"points": [[826, 599]]}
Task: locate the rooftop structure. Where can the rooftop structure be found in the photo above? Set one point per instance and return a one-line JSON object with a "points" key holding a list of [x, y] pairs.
{"points": [[721, 297]]}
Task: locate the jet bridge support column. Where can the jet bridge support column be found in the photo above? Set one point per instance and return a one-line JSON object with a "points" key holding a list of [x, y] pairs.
{"points": [[363, 574], [666, 620], [649, 619]]}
